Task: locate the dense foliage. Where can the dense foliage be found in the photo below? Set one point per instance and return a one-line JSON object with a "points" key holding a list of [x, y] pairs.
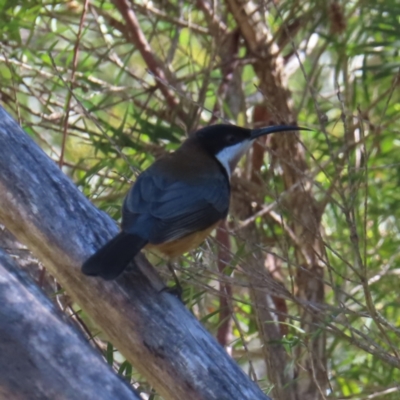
{"points": [[83, 87]]}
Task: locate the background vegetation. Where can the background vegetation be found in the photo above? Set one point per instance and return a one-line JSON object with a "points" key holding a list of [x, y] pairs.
{"points": [[312, 241]]}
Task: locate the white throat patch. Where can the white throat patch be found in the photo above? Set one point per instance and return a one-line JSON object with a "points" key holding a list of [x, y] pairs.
{"points": [[230, 156]]}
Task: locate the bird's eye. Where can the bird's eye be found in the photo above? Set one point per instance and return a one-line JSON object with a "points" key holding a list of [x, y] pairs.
{"points": [[231, 139]]}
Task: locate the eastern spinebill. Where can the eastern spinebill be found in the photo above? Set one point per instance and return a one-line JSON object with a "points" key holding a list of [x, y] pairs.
{"points": [[175, 203]]}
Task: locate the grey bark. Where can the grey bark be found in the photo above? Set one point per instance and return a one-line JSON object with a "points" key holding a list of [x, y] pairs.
{"points": [[41, 355]]}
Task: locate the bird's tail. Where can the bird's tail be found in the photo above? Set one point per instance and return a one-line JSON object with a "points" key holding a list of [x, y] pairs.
{"points": [[114, 256]]}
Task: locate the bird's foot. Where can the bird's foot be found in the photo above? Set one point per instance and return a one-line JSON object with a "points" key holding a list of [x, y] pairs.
{"points": [[175, 291]]}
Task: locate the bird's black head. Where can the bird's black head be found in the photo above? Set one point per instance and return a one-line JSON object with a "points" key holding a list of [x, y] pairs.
{"points": [[216, 138], [228, 143]]}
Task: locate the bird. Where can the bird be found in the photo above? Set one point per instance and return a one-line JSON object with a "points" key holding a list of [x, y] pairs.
{"points": [[176, 203]]}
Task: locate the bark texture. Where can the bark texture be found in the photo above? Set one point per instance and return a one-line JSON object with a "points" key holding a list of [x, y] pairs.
{"points": [[42, 355], [309, 380]]}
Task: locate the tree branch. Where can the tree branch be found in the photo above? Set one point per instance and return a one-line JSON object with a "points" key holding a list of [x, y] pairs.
{"points": [[41, 353], [139, 40], [311, 374]]}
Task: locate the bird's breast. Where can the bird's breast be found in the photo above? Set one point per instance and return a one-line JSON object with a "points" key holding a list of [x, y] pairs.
{"points": [[177, 247]]}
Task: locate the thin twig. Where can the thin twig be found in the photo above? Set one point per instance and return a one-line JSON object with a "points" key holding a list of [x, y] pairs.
{"points": [[69, 96]]}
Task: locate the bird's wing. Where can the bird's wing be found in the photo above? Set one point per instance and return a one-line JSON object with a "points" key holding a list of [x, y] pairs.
{"points": [[161, 209]]}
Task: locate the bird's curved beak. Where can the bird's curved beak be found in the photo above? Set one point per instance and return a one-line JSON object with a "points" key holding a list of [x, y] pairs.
{"points": [[255, 133]]}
